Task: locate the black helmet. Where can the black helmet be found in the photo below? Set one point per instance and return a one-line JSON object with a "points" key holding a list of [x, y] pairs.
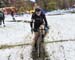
{"points": [[37, 9]]}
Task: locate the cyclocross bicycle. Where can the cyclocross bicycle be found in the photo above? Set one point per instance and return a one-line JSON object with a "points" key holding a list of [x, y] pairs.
{"points": [[40, 53]]}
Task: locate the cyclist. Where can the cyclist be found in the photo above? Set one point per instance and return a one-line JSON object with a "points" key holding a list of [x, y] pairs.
{"points": [[38, 19]]}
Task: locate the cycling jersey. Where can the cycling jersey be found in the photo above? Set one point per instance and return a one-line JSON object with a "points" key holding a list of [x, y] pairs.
{"points": [[38, 20]]}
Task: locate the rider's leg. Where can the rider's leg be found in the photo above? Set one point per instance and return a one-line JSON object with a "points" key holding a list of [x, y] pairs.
{"points": [[44, 35], [34, 51], [35, 39]]}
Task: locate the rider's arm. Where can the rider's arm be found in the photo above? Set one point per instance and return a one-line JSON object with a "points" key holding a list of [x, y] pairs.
{"points": [[32, 21], [46, 24]]}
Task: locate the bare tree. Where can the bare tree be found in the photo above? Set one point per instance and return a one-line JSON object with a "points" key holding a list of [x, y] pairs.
{"points": [[66, 4]]}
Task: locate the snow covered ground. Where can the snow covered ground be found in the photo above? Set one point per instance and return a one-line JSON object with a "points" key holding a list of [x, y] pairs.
{"points": [[18, 17], [59, 12], [62, 27]]}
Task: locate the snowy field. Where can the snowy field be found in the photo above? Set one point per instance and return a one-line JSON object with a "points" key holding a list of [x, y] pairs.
{"points": [[60, 43]]}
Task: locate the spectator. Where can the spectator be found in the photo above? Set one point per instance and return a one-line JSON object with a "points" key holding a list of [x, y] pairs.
{"points": [[12, 14], [2, 17]]}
